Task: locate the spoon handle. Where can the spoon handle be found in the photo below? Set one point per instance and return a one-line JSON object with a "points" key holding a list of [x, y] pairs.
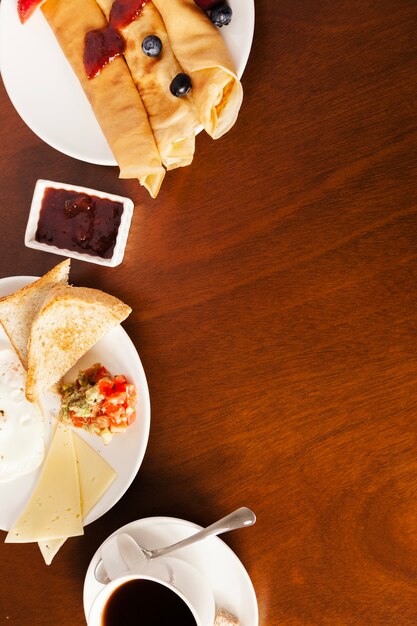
{"points": [[238, 519]]}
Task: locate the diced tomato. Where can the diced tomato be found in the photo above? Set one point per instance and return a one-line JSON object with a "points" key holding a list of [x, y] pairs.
{"points": [[116, 409], [97, 374], [79, 422], [105, 387]]}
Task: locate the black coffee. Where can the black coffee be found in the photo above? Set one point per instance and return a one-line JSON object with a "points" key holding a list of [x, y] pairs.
{"points": [[146, 603]]}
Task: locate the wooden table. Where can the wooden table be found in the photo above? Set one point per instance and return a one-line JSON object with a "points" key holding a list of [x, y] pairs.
{"points": [[273, 284]]}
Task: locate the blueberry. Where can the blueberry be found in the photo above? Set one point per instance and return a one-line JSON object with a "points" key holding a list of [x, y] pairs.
{"points": [[152, 46], [221, 14], [180, 85]]}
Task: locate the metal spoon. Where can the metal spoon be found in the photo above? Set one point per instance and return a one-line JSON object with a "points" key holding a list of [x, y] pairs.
{"points": [[238, 519]]}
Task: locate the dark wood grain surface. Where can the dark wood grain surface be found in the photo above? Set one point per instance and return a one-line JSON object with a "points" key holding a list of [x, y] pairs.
{"points": [[273, 286]]}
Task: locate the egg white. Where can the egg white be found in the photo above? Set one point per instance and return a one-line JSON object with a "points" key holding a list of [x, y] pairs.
{"points": [[22, 446]]}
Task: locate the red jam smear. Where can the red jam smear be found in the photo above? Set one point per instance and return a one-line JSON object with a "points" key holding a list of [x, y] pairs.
{"points": [[76, 221], [206, 5], [123, 12], [103, 45]]}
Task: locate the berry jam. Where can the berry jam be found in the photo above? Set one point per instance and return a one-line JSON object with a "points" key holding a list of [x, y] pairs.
{"points": [[125, 11], [101, 47], [206, 5], [105, 44], [76, 221]]}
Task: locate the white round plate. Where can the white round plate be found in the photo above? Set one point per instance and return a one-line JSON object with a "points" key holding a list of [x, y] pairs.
{"points": [[230, 582], [47, 95], [124, 453]]}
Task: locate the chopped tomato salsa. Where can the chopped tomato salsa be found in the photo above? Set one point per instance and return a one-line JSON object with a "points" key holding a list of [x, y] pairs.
{"points": [[99, 402]]}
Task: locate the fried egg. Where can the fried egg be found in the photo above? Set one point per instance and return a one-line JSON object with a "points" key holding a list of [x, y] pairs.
{"points": [[22, 444]]}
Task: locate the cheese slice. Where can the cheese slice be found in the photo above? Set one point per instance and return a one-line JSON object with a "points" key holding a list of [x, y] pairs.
{"points": [[95, 476], [54, 509]]}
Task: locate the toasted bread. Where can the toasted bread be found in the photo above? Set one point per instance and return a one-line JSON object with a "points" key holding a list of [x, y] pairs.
{"points": [[18, 311], [70, 322]]}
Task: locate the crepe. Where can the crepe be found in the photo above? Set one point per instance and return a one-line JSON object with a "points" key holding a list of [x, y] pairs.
{"points": [[113, 96], [173, 120], [201, 52]]}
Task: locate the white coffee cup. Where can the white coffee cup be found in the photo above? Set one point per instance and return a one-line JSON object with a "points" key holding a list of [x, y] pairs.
{"points": [[123, 565]]}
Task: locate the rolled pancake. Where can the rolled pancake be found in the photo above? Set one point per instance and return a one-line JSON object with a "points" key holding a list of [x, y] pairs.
{"points": [[113, 96], [201, 52], [173, 120]]}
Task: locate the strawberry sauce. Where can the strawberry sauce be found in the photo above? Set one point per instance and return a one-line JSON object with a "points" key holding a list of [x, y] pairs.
{"points": [[101, 47], [105, 44], [125, 11], [77, 221]]}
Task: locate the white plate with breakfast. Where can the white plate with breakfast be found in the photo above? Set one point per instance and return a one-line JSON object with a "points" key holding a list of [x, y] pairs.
{"points": [[84, 412], [212, 558], [49, 98]]}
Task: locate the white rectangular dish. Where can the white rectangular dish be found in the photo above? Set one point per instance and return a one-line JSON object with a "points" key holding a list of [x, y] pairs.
{"points": [[122, 232]]}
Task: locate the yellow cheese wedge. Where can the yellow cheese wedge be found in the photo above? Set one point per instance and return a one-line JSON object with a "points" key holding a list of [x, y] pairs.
{"points": [[54, 509], [95, 476]]}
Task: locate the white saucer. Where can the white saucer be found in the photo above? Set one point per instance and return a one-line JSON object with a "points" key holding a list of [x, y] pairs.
{"points": [[230, 582]]}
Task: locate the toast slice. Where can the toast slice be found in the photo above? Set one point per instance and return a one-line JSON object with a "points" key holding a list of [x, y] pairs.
{"points": [[18, 311], [70, 322]]}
